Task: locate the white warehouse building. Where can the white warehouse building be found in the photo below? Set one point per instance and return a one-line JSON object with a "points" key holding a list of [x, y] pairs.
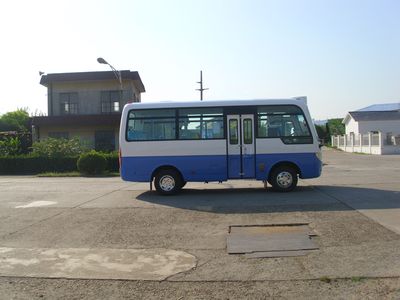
{"points": [[384, 118], [374, 129]]}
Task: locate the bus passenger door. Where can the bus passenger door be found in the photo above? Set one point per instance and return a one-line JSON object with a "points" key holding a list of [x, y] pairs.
{"points": [[234, 146], [241, 150]]}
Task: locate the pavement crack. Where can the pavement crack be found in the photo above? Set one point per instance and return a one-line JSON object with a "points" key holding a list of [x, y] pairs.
{"points": [[197, 266], [98, 197]]}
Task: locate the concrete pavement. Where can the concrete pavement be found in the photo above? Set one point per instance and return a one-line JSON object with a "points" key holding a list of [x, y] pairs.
{"points": [[111, 230]]}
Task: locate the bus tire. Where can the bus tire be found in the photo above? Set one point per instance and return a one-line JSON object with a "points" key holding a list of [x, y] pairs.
{"points": [[283, 179], [167, 182]]}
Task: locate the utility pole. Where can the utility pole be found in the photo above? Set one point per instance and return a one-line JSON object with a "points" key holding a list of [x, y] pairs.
{"points": [[201, 89]]}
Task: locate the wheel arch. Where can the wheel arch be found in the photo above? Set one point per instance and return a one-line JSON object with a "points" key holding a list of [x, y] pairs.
{"points": [[165, 167], [284, 163]]}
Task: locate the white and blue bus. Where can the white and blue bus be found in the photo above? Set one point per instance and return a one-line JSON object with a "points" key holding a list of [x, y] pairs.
{"points": [[176, 142]]}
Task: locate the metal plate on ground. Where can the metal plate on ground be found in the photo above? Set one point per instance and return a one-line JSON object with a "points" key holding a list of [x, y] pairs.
{"points": [[277, 240], [267, 229], [270, 254]]}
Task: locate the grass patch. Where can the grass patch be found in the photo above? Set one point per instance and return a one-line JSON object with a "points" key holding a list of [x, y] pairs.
{"points": [[325, 279], [59, 174], [361, 153], [357, 278], [77, 174]]}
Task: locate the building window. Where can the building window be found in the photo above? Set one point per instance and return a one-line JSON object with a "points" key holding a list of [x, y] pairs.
{"points": [[110, 101], [68, 103], [58, 135], [104, 140]]}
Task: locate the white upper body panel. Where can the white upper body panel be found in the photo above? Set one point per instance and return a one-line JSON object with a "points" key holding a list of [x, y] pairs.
{"points": [[211, 147], [301, 102]]}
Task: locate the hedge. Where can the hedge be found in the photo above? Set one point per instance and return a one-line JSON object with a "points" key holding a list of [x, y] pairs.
{"points": [[112, 161], [31, 164], [92, 163]]}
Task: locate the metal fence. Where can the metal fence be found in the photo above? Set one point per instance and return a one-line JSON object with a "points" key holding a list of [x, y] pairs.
{"points": [[391, 139], [348, 140], [365, 140], [375, 139], [372, 143]]}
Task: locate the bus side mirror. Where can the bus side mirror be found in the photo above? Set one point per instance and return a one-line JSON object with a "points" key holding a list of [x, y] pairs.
{"points": [[320, 143]]}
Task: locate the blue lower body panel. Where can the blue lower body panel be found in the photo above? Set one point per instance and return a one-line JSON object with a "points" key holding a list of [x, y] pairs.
{"points": [[241, 166], [248, 166], [234, 162], [192, 168], [215, 167], [309, 164]]}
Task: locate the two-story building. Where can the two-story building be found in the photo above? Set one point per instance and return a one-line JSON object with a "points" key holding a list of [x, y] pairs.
{"points": [[87, 105]]}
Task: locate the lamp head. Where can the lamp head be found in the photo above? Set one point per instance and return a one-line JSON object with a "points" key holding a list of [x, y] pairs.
{"points": [[101, 60]]}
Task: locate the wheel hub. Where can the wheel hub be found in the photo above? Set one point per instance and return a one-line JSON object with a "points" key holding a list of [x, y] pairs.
{"points": [[284, 179], [167, 183]]}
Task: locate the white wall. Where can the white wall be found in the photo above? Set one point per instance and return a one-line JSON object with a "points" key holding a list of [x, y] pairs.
{"points": [[383, 126], [351, 126]]}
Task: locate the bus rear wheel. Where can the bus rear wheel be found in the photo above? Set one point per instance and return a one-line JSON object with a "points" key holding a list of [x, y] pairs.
{"points": [[168, 182], [283, 179]]}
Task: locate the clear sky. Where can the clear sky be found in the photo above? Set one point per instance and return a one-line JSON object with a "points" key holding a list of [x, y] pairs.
{"points": [[343, 55]]}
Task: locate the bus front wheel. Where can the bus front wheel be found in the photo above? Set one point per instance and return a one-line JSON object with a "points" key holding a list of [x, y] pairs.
{"points": [[168, 182], [283, 179]]}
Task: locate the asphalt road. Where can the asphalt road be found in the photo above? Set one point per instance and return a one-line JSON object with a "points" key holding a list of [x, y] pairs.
{"points": [[104, 238]]}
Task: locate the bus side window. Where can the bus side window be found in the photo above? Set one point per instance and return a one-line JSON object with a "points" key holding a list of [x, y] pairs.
{"points": [[233, 132]]}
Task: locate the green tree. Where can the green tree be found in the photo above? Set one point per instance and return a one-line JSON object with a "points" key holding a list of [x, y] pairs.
{"points": [[15, 120], [321, 130], [336, 127]]}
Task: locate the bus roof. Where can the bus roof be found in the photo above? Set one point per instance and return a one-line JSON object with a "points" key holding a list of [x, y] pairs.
{"points": [[300, 101]]}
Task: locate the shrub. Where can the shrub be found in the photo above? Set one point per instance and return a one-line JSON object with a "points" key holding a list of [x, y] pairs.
{"points": [[92, 163], [112, 161], [58, 148], [33, 164], [10, 146]]}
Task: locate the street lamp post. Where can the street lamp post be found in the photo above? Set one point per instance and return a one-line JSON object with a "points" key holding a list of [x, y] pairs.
{"points": [[117, 74]]}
